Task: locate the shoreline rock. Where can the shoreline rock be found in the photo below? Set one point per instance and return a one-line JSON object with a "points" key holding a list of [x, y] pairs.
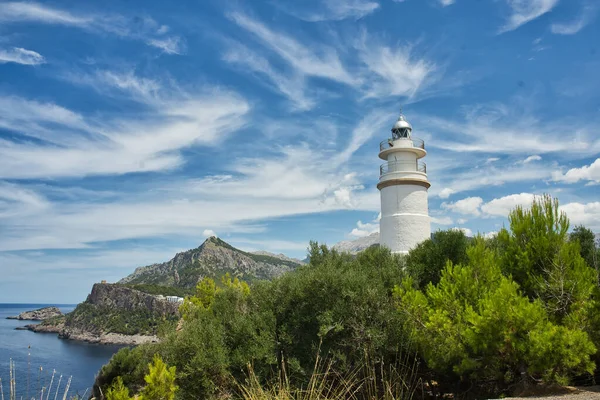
{"points": [[80, 336], [38, 315], [107, 338]]}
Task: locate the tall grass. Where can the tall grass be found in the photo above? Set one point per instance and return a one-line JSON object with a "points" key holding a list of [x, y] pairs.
{"points": [[42, 392], [371, 381]]}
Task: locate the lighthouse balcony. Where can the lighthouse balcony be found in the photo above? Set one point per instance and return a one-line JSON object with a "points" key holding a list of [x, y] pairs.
{"points": [[392, 145], [403, 173], [392, 167]]}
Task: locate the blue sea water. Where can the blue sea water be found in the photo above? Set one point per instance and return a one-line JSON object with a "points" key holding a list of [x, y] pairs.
{"points": [[81, 361]]}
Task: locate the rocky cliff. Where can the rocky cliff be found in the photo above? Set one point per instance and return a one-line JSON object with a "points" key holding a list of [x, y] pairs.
{"points": [[213, 259], [38, 315], [113, 314]]}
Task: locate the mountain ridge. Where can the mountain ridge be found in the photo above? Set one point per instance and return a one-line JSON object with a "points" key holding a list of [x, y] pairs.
{"points": [[213, 258]]}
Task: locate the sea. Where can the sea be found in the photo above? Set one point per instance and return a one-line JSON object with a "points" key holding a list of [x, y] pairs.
{"points": [[37, 355]]}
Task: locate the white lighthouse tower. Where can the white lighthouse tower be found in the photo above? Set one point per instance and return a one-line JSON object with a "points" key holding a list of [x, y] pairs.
{"points": [[403, 185]]}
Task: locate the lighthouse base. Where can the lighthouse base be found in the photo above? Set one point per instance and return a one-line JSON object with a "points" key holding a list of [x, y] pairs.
{"points": [[404, 217]]}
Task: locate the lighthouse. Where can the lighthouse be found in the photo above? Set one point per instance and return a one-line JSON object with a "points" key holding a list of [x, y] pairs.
{"points": [[403, 187]]}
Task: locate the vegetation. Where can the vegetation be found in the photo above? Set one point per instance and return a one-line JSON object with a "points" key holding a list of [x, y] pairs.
{"points": [[160, 290], [478, 317], [99, 319], [160, 384]]}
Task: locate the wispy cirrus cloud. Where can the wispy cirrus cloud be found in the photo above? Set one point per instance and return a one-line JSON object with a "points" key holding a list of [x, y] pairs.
{"points": [[19, 55], [317, 61], [447, 3], [382, 71], [70, 144], [393, 70], [484, 129], [574, 26], [292, 86], [330, 10], [145, 29], [524, 11]]}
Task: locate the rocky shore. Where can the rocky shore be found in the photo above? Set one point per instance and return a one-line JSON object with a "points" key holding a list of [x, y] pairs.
{"points": [[105, 338], [38, 315]]}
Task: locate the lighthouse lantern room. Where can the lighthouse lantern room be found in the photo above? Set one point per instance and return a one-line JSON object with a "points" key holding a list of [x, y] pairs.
{"points": [[403, 186]]}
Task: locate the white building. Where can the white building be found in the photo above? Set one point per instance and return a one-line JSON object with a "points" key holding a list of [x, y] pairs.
{"points": [[174, 299], [403, 185]]}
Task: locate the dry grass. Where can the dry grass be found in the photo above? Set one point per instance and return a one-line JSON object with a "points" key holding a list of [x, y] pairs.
{"points": [[372, 381]]}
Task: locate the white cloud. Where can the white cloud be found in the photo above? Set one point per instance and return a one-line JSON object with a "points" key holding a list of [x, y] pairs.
{"points": [[293, 86], [587, 214], [74, 145], [393, 70], [318, 61], [372, 123], [462, 221], [441, 220], [170, 45], [445, 193], [467, 206], [383, 70], [572, 27], [483, 130], [336, 10], [466, 231], [524, 11], [446, 3], [21, 56], [457, 181], [364, 229], [122, 83], [503, 205], [531, 159], [145, 29], [586, 173], [21, 11], [208, 233]]}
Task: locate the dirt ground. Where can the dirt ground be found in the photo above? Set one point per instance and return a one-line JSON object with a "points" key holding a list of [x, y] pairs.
{"points": [[567, 393]]}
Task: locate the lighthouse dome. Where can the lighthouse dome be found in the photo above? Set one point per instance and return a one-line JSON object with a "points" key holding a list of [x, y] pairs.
{"points": [[401, 123]]}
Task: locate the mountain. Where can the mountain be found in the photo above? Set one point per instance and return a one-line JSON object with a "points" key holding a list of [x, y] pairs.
{"points": [[357, 245], [279, 256], [212, 259]]}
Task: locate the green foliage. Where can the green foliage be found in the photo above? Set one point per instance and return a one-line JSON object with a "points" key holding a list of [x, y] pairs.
{"points": [[588, 249], [160, 381], [118, 391], [159, 289], [339, 304], [475, 325], [129, 364], [100, 319], [537, 254], [426, 261]]}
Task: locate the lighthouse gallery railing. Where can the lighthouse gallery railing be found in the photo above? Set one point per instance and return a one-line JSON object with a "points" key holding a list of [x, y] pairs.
{"points": [[402, 166], [387, 143]]}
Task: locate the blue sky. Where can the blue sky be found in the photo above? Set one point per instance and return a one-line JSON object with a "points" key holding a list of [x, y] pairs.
{"points": [[130, 131]]}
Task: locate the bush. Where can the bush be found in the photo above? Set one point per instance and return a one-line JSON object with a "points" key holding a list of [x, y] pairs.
{"points": [[426, 261], [475, 326]]}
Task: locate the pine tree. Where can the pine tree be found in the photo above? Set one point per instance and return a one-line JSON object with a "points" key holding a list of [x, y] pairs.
{"points": [[160, 381]]}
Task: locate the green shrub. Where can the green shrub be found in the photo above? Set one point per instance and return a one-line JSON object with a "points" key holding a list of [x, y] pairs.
{"points": [[475, 326], [426, 261]]}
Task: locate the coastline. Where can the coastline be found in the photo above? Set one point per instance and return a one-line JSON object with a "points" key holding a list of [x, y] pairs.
{"points": [[88, 337]]}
